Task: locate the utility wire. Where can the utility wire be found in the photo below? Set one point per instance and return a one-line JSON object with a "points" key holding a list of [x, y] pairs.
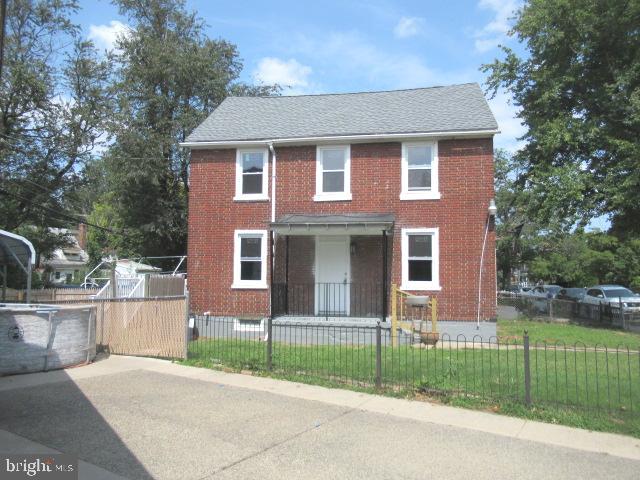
{"points": [[17, 181], [60, 214]]}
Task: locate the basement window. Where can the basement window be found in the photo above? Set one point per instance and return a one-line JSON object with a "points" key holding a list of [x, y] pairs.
{"points": [[248, 324], [251, 175], [250, 259], [420, 171], [420, 252], [333, 173]]}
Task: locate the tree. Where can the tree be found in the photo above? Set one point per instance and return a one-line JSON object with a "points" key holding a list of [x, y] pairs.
{"points": [[169, 77], [516, 231], [53, 104], [579, 93]]}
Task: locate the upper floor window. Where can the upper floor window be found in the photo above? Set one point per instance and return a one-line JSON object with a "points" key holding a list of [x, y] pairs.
{"points": [[419, 171], [333, 173], [420, 259], [251, 175]]}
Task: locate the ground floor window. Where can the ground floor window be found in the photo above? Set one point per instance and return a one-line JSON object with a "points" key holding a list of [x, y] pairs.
{"points": [[250, 259], [420, 262]]}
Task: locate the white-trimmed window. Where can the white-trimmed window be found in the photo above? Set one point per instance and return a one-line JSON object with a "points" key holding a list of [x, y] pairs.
{"points": [[420, 171], [250, 259], [252, 174], [333, 173], [420, 259]]}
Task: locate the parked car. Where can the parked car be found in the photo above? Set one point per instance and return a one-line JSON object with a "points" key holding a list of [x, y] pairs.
{"points": [[515, 290], [544, 291], [571, 294], [612, 295], [538, 297]]}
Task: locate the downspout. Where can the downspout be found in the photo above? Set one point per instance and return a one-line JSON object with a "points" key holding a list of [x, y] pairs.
{"points": [[492, 213], [273, 182], [272, 239]]}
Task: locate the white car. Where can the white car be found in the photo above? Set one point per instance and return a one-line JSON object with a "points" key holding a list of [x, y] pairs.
{"points": [[544, 291], [540, 295], [612, 295]]}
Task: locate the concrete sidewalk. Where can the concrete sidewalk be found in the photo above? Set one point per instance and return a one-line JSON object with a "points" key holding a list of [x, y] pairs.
{"points": [[147, 418]]}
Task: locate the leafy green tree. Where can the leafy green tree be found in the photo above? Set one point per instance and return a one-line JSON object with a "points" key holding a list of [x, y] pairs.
{"points": [[515, 230], [53, 105], [578, 87], [169, 77], [577, 259]]}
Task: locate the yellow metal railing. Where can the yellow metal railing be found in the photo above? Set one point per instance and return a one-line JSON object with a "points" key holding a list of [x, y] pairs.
{"points": [[398, 312]]}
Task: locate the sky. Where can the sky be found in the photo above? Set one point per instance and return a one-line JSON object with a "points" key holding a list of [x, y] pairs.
{"points": [[351, 46]]}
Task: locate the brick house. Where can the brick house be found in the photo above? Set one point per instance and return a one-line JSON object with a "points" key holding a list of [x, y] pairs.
{"points": [[353, 193]]}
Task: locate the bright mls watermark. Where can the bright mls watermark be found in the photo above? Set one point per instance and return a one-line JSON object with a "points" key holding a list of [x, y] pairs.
{"points": [[52, 466]]}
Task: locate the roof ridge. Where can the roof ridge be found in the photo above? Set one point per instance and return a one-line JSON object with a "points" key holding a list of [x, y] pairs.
{"points": [[354, 93]]}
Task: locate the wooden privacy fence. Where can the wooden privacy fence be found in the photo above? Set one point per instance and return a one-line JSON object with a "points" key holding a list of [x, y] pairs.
{"points": [[48, 294], [164, 286], [149, 327]]}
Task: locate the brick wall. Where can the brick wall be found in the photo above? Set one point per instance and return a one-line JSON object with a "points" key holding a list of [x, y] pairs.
{"points": [[465, 183]]}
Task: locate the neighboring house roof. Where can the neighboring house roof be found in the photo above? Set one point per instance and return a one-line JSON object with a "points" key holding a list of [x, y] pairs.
{"points": [[135, 267], [71, 256], [447, 109]]}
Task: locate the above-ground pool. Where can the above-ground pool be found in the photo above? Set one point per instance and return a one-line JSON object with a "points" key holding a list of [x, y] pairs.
{"points": [[34, 338]]}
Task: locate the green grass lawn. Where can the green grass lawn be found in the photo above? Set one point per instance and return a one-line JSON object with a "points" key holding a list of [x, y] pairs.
{"points": [[568, 334], [589, 389]]}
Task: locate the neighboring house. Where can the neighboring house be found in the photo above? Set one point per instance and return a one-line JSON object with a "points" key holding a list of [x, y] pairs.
{"points": [[68, 263], [130, 268], [357, 191]]}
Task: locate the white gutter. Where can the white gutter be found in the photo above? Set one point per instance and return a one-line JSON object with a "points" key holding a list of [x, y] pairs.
{"points": [[365, 137], [273, 183]]}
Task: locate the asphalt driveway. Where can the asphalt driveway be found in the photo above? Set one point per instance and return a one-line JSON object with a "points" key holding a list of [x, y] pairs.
{"points": [[139, 423]]}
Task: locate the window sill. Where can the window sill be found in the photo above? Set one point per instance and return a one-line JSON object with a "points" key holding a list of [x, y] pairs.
{"points": [[417, 287], [257, 198], [245, 286], [323, 197], [420, 196]]}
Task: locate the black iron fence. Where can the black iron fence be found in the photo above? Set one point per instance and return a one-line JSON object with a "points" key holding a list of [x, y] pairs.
{"points": [[605, 314], [328, 299], [587, 377]]}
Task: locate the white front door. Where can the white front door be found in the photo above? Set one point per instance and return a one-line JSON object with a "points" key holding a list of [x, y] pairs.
{"points": [[333, 269]]}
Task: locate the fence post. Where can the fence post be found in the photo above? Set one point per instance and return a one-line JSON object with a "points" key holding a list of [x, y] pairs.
{"points": [[113, 280], [394, 319], [269, 343], [378, 355], [186, 325], [599, 312], [621, 313], [527, 371]]}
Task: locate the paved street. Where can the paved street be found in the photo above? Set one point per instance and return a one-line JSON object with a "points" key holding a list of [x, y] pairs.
{"points": [[142, 418]]}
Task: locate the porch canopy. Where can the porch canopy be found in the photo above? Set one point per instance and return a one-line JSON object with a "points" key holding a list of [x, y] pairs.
{"points": [[332, 224], [19, 251], [332, 294]]}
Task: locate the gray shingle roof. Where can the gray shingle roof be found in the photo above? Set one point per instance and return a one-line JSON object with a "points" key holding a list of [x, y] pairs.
{"points": [[455, 108]]}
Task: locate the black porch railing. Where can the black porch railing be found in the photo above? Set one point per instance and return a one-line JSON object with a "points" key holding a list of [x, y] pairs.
{"points": [[328, 299]]}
